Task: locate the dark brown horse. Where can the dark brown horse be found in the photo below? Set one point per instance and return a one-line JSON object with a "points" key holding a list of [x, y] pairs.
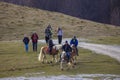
{"points": [[45, 51]]}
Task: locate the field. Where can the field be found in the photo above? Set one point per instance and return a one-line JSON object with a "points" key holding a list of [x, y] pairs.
{"points": [[15, 21], [14, 61]]}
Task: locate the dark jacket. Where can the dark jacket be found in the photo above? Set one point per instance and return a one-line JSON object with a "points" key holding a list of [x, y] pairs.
{"points": [[50, 43], [34, 38], [26, 40], [48, 32], [66, 48]]}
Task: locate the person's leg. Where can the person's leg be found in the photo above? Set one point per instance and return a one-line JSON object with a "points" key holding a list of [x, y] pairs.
{"points": [[60, 39], [50, 50], [35, 46], [68, 56], [26, 47], [46, 39]]}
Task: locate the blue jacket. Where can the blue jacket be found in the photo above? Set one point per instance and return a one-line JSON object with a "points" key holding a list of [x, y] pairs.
{"points": [[74, 41]]}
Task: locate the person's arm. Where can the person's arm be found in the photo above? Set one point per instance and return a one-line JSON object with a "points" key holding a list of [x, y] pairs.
{"points": [[23, 39], [28, 40]]}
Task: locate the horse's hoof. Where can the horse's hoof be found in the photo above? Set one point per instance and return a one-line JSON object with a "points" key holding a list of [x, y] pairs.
{"points": [[50, 61], [75, 64]]}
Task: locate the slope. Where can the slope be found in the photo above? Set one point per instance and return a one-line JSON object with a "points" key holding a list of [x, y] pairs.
{"points": [[15, 21]]}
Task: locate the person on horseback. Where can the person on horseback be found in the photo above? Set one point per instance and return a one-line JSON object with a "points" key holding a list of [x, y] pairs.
{"points": [[67, 48], [74, 42], [48, 33], [50, 45]]}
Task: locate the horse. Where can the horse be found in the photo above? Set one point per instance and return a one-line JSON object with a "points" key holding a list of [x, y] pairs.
{"points": [[45, 51], [64, 59]]}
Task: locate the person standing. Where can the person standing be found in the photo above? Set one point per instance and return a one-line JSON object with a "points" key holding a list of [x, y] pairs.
{"points": [[34, 38], [26, 42], [59, 34], [74, 42], [48, 33]]}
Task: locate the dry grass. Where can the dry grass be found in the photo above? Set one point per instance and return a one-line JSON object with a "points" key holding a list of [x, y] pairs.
{"points": [[15, 21]]}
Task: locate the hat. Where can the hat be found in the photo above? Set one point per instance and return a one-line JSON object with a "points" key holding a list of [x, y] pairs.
{"points": [[74, 37], [66, 41]]}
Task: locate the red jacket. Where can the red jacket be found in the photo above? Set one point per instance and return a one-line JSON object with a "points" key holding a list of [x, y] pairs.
{"points": [[34, 38]]}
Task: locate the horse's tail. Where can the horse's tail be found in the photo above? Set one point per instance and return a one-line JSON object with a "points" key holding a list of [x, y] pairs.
{"points": [[41, 54]]}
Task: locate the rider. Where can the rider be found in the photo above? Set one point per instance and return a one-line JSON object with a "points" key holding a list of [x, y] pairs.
{"points": [[74, 42], [67, 48], [50, 44], [48, 33]]}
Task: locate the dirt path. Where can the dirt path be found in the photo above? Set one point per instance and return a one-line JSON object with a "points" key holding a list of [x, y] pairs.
{"points": [[69, 77], [110, 50]]}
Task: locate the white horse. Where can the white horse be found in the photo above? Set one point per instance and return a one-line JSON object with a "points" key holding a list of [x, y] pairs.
{"points": [[64, 58], [45, 50]]}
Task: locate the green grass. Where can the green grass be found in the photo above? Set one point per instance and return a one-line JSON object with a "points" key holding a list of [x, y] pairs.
{"points": [[113, 40], [14, 61]]}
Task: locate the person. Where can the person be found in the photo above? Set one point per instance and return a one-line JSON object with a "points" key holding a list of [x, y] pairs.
{"points": [[34, 38], [48, 33], [74, 42], [50, 44], [67, 48], [26, 42], [59, 34]]}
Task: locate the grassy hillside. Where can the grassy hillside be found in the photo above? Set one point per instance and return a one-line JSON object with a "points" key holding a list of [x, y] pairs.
{"points": [[15, 21]]}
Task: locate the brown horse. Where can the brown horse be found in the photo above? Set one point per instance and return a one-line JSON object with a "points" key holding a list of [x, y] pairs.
{"points": [[72, 58], [45, 51], [74, 54]]}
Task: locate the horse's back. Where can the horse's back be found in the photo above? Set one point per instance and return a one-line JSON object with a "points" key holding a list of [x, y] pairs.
{"points": [[58, 46]]}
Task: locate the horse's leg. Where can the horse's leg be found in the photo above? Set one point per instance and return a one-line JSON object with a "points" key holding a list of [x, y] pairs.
{"points": [[53, 58], [43, 58], [46, 59], [56, 58], [61, 65]]}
